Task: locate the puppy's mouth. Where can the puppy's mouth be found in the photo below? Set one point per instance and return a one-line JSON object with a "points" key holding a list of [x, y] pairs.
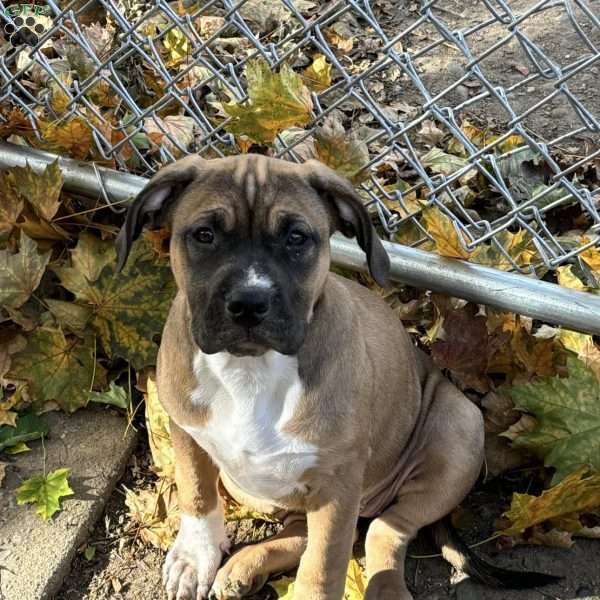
{"points": [[247, 342]]}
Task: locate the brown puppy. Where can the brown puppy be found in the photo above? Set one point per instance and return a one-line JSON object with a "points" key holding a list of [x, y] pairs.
{"points": [[298, 388]]}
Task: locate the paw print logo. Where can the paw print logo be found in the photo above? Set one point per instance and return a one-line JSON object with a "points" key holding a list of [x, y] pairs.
{"points": [[24, 31]]}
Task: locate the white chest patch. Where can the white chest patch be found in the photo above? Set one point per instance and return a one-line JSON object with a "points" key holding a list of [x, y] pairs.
{"points": [[251, 399]]}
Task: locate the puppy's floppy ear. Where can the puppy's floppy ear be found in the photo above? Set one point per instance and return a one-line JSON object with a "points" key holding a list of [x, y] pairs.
{"points": [[151, 205], [350, 216]]}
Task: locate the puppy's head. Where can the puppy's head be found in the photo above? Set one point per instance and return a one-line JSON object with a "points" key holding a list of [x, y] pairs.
{"points": [[250, 244]]}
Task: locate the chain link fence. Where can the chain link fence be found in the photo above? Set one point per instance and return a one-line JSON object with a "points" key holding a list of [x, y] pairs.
{"points": [[511, 86]]}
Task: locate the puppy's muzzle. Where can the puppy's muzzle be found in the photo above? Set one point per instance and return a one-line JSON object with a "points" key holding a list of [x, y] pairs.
{"points": [[248, 306]]}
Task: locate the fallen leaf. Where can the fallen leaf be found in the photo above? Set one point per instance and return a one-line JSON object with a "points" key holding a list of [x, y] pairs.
{"points": [[155, 512], [276, 102], [159, 432], [342, 151], [42, 191], [318, 75], [21, 273], [164, 132], [447, 164], [591, 256], [568, 279], [29, 427], [577, 493], [345, 44], [73, 136], [115, 395], [430, 132], [567, 411], [91, 255], [583, 345], [177, 44], [2, 472], [518, 246], [45, 491], [129, 308], [18, 448], [11, 205], [462, 347], [89, 552], [57, 368], [71, 316], [354, 590], [445, 236], [15, 123]]}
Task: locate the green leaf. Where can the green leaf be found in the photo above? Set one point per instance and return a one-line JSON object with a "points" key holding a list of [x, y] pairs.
{"points": [[29, 427], [276, 101], [21, 273], [567, 411], [128, 308], [446, 164], [115, 395], [18, 448], [89, 552], [57, 368], [41, 191], [45, 491]]}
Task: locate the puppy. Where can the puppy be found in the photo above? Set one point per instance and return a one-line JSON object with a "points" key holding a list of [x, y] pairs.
{"points": [[298, 389]]}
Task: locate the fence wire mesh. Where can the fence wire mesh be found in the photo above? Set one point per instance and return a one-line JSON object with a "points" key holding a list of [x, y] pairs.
{"points": [[512, 87]]}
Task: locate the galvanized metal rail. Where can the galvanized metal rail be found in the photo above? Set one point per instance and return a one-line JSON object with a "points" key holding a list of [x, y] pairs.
{"points": [[508, 291]]}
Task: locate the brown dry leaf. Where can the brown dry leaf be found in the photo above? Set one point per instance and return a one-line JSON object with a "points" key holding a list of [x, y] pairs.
{"points": [[431, 133], [461, 345], [15, 122], [163, 132], [474, 134], [525, 424], [445, 236], [345, 44], [318, 75], [155, 512], [538, 535], [74, 137], [2, 472], [575, 494], [341, 150], [499, 414], [11, 205]]}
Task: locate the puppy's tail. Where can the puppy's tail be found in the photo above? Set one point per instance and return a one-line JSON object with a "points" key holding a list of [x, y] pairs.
{"points": [[461, 557]]}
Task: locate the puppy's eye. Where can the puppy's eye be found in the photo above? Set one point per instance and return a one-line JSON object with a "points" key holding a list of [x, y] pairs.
{"points": [[296, 238], [204, 235]]}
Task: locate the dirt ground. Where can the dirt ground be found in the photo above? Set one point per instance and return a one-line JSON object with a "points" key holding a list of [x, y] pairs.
{"points": [[508, 65], [125, 569]]}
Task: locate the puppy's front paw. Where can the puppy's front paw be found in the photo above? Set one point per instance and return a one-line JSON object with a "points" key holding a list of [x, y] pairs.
{"points": [[193, 561]]}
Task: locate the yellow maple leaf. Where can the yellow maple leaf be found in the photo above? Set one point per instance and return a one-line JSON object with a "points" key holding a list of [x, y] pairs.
{"points": [[318, 75], [159, 433], [568, 279], [441, 228], [276, 101], [591, 256], [583, 345], [576, 493], [74, 137]]}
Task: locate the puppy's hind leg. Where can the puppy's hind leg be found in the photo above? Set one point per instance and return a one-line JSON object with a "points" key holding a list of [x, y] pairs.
{"points": [[444, 470], [250, 567]]}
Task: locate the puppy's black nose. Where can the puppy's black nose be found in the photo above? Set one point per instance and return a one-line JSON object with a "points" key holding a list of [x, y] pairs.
{"points": [[248, 306]]}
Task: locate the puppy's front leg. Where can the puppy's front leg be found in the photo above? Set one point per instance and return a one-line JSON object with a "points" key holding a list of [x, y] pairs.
{"points": [[193, 561], [331, 518]]}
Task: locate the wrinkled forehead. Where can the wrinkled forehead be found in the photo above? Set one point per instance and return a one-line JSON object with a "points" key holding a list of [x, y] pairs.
{"points": [[250, 190]]}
